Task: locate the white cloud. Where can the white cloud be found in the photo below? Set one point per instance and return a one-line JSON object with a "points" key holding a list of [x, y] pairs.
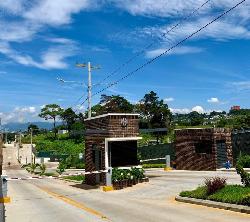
{"points": [[61, 40], [56, 12], [31, 17], [240, 86], [233, 26], [213, 100], [19, 114], [173, 8], [177, 51], [180, 111], [12, 31], [30, 109], [159, 8], [53, 58], [12, 6], [80, 108], [169, 99], [198, 109]]}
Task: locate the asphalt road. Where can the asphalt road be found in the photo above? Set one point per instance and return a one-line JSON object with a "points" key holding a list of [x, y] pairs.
{"points": [[55, 200]]}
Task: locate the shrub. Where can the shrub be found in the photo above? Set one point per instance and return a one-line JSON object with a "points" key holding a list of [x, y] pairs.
{"points": [[246, 200], [127, 174], [137, 173], [61, 168], [119, 174], [242, 162], [214, 184]]}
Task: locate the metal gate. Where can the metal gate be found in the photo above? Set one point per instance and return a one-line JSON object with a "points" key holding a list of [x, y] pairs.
{"points": [[221, 153]]}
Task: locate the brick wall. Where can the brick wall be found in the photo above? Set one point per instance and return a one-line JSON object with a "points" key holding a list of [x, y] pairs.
{"points": [[186, 156], [108, 126]]}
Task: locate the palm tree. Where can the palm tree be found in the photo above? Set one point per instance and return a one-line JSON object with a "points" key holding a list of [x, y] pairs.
{"points": [[32, 168], [42, 168]]}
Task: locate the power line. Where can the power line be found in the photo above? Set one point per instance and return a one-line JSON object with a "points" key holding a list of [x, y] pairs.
{"points": [[152, 43], [168, 50], [147, 47]]}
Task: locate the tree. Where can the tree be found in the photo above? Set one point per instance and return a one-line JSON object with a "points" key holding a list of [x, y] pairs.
{"points": [[35, 129], [112, 104], [70, 117], [195, 118], [51, 111], [154, 111]]}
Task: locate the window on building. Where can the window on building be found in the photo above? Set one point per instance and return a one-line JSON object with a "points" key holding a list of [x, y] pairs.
{"points": [[204, 146]]}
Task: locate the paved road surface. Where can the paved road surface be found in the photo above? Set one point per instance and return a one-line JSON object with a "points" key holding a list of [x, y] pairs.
{"points": [[54, 200]]}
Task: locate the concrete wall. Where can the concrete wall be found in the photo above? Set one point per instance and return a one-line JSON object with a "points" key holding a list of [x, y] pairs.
{"points": [[187, 157]]}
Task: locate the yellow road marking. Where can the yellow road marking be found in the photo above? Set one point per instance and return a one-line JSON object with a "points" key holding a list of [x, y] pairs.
{"points": [[74, 203]]}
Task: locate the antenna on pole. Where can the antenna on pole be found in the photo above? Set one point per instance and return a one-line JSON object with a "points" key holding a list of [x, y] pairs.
{"points": [[90, 68]]}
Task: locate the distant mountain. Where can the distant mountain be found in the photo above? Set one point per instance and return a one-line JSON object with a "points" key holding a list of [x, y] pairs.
{"points": [[24, 126]]}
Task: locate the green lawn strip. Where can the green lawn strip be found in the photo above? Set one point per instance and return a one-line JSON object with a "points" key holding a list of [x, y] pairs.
{"points": [[198, 193], [230, 194], [233, 194], [153, 165], [50, 174], [78, 178]]}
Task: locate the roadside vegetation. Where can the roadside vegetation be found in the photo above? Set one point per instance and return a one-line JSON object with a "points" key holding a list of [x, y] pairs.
{"points": [[216, 188], [77, 178], [154, 113]]}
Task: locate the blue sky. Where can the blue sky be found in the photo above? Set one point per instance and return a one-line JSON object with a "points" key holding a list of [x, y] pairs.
{"points": [[41, 40]]}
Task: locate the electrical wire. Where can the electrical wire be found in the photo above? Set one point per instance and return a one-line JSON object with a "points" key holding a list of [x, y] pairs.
{"points": [[152, 43], [168, 50], [147, 47]]}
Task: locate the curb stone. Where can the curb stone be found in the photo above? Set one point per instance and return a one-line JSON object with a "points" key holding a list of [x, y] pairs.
{"points": [[214, 204]]}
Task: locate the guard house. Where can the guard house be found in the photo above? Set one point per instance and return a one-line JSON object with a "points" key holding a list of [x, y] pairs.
{"points": [[203, 149], [111, 141]]}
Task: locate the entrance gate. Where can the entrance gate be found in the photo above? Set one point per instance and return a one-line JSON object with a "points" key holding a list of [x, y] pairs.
{"points": [[221, 153]]}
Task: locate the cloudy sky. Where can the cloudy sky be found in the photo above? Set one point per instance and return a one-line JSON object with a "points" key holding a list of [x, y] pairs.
{"points": [[42, 40]]}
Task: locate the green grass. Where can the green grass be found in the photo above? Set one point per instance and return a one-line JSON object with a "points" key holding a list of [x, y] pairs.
{"points": [[230, 194], [235, 194], [153, 165], [79, 178], [199, 126], [198, 193], [50, 174]]}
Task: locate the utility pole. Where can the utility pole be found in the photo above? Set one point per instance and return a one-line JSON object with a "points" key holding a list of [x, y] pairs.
{"points": [[6, 137], [31, 144], [90, 68], [19, 146], [89, 90]]}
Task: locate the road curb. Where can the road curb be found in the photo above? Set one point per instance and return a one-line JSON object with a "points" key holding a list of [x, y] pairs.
{"points": [[214, 204], [5, 200]]}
